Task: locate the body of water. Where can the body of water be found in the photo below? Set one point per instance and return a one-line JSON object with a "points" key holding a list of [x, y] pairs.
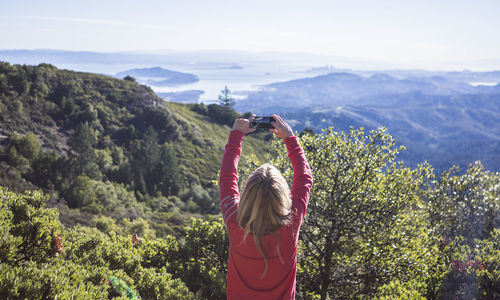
{"points": [[213, 78]]}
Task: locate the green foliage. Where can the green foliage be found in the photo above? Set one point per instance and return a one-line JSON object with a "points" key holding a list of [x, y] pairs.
{"points": [[129, 78], [464, 213], [199, 199], [23, 150], [81, 192], [138, 226], [200, 108], [488, 255], [80, 263], [204, 261], [46, 169], [105, 161], [360, 216], [27, 227], [116, 200], [159, 253], [113, 131], [222, 114], [84, 160], [472, 272], [122, 288], [84, 263], [159, 119], [158, 284], [398, 290], [465, 205], [400, 258], [17, 107], [17, 159], [56, 279], [154, 167], [89, 113]]}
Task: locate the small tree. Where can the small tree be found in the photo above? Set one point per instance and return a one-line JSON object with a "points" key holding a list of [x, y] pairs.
{"points": [[361, 218], [225, 98], [84, 158]]}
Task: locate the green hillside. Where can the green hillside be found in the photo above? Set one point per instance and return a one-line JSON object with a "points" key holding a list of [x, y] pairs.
{"points": [[100, 145]]}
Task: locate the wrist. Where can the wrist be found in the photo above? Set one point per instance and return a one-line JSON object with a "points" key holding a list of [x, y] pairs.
{"points": [[235, 137]]}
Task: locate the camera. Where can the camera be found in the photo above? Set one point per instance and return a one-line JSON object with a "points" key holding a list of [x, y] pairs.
{"points": [[262, 122]]}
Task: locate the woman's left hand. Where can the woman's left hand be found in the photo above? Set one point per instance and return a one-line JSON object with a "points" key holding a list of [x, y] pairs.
{"points": [[243, 125]]}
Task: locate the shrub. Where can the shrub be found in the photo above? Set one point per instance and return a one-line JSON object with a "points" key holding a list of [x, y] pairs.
{"points": [[28, 228], [465, 205], [222, 115], [56, 279], [27, 145], [472, 272], [398, 290], [17, 106], [204, 257], [158, 284], [200, 108], [81, 192]]}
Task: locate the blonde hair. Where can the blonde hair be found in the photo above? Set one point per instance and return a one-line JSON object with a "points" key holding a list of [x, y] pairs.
{"points": [[264, 207]]}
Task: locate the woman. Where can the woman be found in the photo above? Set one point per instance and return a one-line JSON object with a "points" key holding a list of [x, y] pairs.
{"points": [[263, 223]]}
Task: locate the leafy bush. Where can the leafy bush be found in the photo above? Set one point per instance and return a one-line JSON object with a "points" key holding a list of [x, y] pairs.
{"points": [[200, 108], [398, 290], [81, 192], [77, 263], [221, 114], [27, 145], [27, 228], [465, 205], [158, 284], [55, 279], [199, 199], [472, 272], [204, 258]]}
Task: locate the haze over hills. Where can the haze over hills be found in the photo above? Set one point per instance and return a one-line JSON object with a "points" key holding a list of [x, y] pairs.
{"points": [[348, 88]]}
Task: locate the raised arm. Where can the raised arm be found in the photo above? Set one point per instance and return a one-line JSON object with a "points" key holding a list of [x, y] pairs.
{"points": [[228, 178], [302, 176]]}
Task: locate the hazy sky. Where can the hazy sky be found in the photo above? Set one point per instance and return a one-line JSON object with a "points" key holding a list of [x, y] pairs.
{"points": [[416, 32]]}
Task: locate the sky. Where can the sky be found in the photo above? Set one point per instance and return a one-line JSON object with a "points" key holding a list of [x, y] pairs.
{"points": [[415, 33]]}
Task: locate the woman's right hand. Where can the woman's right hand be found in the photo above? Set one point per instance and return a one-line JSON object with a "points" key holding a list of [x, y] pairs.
{"points": [[243, 125], [281, 129]]}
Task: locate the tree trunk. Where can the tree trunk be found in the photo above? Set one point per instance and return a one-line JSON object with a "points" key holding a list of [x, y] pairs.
{"points": [[325, 275]]}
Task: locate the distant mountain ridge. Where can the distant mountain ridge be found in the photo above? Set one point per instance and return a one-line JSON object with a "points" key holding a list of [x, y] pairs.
{"points": [[440, 120], [347, 88]]}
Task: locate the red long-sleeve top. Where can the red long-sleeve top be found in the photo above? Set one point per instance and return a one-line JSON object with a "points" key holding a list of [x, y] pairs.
{"points": [[246, 265]]}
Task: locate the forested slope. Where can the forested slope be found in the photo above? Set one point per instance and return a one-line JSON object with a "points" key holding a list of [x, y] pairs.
{"points": [[100, 145]]}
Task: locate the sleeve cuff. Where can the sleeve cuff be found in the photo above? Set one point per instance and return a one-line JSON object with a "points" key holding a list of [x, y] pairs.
{"points": [[291, 143], [235, 137]]}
